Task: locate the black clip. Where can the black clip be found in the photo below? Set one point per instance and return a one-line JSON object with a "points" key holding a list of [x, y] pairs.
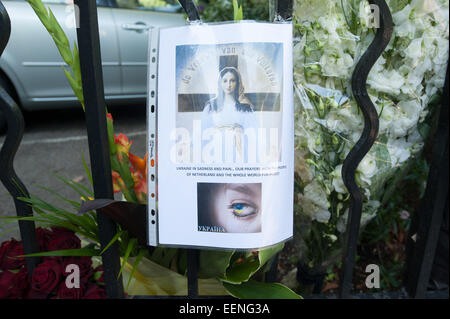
{"points": [[190, 9]]}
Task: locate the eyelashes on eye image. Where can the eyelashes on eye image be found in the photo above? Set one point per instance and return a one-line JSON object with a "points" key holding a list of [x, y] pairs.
{"points": [[242, 209]]}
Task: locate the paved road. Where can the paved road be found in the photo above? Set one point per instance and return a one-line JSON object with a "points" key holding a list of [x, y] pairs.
{"points": [[53, 143]]}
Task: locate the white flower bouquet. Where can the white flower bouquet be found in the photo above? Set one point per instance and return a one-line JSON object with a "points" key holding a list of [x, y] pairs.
{"points": [[404, 85]]}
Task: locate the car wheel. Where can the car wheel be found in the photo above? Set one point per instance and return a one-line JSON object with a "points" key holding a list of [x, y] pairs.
{"points": [[6, 85]]}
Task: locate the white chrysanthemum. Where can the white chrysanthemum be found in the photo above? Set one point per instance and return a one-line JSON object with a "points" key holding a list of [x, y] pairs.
{"points": [[338, 183], [387, 81], [401, 84], [369, 212], [414, 50], [367, 169], [398, 150], [314, 202]]}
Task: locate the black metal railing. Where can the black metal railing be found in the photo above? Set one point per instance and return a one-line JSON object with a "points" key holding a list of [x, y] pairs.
{"points": [[435, 203], [364, 144], [8, 176], [95, 113]]}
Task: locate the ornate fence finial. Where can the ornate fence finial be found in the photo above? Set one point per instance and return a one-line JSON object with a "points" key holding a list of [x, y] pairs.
{"points": [[8, 177], [365, 143]]}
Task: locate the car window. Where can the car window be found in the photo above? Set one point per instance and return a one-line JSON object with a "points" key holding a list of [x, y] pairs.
{"points": [[153, 5]]}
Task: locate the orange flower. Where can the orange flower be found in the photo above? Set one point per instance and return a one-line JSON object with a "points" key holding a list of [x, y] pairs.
{"points": [[117, 182], [139, 164], [123, 146], [140, 186], [139, 174]]}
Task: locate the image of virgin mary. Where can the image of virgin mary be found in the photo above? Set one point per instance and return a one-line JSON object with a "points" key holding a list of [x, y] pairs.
{"points": [[230, 113]]}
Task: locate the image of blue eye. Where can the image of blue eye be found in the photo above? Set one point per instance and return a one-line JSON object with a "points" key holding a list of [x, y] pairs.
{"points": [[242, 209], [239, 208]]}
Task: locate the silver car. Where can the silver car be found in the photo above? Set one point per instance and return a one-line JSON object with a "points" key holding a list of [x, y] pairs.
{"points": [[31, 67]]}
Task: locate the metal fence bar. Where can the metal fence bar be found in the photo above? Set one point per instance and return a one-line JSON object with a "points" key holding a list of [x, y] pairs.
{"points": [[272, 273], [191, 10], [364, 144], [8, 176], [192, 271], [284, 10], [428, 220], [95, 112]]}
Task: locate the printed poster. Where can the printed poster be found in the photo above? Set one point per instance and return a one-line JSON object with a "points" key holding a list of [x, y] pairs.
{"points": [[225, 132]]}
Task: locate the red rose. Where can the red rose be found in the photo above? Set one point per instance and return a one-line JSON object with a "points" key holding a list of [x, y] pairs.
{"points": [[94, 291], [46, 276], [20, 284], [13, 285], [84, 264], [9, 250], [61, 240], [43, 237], [59, 230], [5, 284], [69, 293]]}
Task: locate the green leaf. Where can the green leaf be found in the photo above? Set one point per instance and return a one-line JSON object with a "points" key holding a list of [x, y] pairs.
{"points": [[131, 244], [83, 225], [214, 263], [60, 39], [74, 204], [42, 12], [241, 270], [169, 255], [52, 219], [76, 68], [237, 10], [88, 252], [260, 290], [267, 253], [139, 257], [113, 240], [125, 173], [164, 256], [115, 166], [77, 187], [87, 170], [73, 83], [112, 145]]}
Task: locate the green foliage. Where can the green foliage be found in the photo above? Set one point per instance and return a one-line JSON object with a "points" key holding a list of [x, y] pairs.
{"points": [[260, 290], [62, 43], [237, 10], [389, 217], [244, 265], [222, 10], [233, 267], [384, 238]]}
